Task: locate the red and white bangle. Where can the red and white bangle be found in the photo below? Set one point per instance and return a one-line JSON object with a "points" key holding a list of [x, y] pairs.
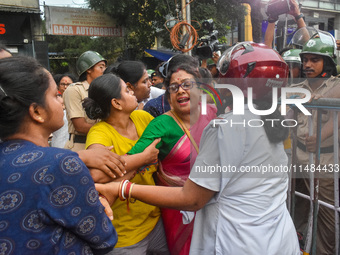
{"points": [[124, 192], [121, 190]]}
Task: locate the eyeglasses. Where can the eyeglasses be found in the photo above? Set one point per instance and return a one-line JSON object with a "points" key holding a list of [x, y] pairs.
{"points": [[64, 84], [174, 87]]}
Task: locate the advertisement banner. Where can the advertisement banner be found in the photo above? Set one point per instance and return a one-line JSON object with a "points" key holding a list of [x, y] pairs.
{"points": [[11, 27], [79, 21]]}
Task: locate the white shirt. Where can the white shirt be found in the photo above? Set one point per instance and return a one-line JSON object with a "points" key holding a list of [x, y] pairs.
{"points": [[61, 136], [248, 214], [154, 93]]}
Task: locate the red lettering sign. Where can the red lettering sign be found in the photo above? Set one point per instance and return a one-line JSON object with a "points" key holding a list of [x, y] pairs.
{"points": [[2, 29]]}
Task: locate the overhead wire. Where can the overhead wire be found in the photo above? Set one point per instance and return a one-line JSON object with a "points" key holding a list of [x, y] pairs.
{"points": [[181, 31], [183, 36]]}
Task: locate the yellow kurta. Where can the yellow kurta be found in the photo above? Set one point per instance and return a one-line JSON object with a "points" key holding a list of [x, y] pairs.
{"points": [[134, 226]]}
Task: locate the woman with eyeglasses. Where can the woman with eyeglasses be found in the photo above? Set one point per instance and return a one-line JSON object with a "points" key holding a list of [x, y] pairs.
{"points": [[180, 131], [63, 81], [159, 105]]}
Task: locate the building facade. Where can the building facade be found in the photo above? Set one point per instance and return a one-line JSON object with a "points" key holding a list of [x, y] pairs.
{"points": [[21, 29]]}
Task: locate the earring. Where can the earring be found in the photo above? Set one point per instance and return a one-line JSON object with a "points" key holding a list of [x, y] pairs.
{"points": [[39, 118]]}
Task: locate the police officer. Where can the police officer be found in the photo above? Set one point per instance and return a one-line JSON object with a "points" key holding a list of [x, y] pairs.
{"points": [[89, 66], [292, 58], [319, 68]]}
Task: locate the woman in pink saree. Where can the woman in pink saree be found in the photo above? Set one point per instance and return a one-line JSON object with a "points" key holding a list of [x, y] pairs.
{"points": [[180, 131]]}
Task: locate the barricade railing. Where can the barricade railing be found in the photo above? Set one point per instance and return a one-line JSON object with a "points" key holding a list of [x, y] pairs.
{"points": [[318, 106]]}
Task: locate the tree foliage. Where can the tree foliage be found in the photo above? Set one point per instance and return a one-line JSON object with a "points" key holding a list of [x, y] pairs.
{"points": [[225, 13], [145, 19], [140, 18], [68, 48]]}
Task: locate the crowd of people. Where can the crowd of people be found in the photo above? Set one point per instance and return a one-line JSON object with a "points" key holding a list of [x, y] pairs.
{"points": [[133, 163]]}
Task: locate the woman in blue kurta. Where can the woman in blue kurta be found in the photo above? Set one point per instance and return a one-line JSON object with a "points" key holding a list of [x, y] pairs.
{"points": [[48, 203]]}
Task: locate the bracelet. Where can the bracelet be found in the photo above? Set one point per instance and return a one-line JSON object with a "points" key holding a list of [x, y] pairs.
{"points": [[130, 191], [124, 192], [120, 190], [299, 16], [127, 190], [123, 189]]}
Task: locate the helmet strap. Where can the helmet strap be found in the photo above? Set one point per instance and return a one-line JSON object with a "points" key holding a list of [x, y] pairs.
{"points": [[328, 69]]}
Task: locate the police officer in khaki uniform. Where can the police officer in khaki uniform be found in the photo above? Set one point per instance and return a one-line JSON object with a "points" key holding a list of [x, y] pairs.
{"points": [[319, 66], [89, 66]]}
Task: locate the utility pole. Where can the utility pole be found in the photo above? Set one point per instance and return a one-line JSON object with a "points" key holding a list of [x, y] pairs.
{"points": [[184, 11], [186, 17]]}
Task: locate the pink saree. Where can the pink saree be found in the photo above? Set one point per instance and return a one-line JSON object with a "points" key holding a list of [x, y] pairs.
{"points": [[174, 171]]}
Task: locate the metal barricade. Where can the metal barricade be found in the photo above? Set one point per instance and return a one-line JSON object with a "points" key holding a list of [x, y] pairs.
{"points": [[319, 105]]}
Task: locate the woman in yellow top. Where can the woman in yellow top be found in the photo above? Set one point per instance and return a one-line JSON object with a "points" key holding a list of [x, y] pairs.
{"points": [[139, 229]]}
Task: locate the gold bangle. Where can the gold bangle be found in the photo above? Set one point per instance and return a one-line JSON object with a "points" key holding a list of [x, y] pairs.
{"points": [[130, 199]]}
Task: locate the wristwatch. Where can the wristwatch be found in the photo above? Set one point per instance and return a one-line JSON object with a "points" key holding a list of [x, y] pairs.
{"points": [[299, 16]]}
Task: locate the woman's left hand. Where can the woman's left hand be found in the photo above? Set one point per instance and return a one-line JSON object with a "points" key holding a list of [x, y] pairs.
{"points": [[107, 207], [108, 190], [150, 153]]}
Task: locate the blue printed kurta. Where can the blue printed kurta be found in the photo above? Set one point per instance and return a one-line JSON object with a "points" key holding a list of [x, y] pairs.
{"points": [[48, 203]]}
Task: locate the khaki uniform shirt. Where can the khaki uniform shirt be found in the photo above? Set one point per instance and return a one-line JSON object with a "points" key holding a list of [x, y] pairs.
{"points": [[302, 130], [73, 99]]}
